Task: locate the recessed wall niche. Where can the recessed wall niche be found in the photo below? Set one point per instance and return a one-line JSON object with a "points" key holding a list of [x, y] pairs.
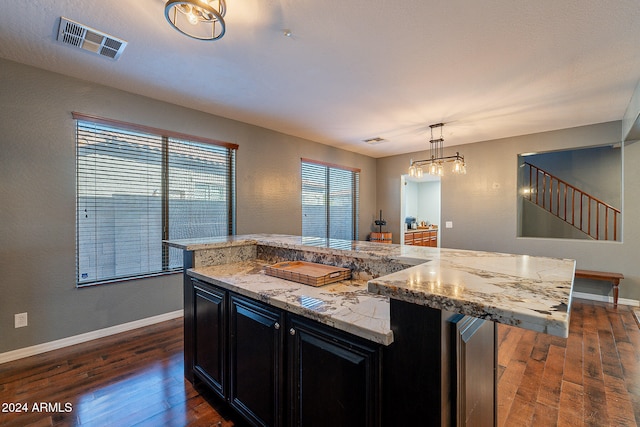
{"points": [[571, 194]]}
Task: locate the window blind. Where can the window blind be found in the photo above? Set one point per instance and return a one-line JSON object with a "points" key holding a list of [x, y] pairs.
{"points": [[330, 201], [135, 189], [201, 192]]}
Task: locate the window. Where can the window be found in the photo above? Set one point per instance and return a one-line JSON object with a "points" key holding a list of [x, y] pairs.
{"points": [[137, 186], [330, 200]]}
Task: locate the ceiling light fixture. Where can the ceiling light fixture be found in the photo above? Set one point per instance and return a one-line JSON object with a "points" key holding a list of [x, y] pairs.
{"points": [[198, 19], [435, 164]]}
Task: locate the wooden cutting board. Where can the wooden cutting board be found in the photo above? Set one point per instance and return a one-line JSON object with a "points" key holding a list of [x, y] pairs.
{"points": [[308, 273]]}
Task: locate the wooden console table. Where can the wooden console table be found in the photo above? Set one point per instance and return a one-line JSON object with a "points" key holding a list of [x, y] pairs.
{"points": [[614, 278]]}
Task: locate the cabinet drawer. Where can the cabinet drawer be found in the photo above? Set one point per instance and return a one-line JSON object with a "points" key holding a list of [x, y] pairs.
{"points": [[418, 238]]}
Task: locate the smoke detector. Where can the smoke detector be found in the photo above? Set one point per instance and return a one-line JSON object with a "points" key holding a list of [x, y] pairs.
{"points": [[83, 37]]}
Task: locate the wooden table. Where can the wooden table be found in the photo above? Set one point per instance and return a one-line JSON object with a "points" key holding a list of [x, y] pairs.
{"points": [[614, 278]]}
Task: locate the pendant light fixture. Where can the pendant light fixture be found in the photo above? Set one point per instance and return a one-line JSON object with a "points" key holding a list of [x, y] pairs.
{"points": [[198, 19], [435, 164]]}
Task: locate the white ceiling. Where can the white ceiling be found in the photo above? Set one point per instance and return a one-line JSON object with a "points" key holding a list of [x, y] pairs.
{"points": [[357, 69]]}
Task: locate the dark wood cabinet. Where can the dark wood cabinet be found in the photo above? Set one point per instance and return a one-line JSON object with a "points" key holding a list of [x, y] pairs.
{"points": [[210, 336], [256, 361], [450, 384], [279, 369], [334, 377]]}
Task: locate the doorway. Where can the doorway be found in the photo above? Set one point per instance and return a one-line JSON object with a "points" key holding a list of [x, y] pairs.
{"points": [[420, 199]]}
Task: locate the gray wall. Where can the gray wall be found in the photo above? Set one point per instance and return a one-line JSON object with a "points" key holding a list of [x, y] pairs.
{"points": [[538, 222], [37, 193], [483, 203]]}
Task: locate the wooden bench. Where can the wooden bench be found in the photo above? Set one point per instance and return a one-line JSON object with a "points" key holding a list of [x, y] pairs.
{"points": [[614, 278]]}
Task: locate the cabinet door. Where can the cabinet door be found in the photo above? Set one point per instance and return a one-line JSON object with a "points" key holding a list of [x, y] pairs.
{"points": [[334, 378], [210, 347], [417, 238], [408, 238], [256, 361], [433, 238], [424, 238]]}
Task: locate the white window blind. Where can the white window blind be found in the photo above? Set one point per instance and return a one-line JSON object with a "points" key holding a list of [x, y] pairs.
{"points": [[330, 200], [135, 189]]}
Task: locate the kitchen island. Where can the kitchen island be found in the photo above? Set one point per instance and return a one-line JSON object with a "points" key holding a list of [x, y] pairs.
{"points": [[411, 336]]}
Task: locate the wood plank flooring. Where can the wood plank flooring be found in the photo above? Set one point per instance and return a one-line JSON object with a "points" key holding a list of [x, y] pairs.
{"points": [[590, 379], [130, 379], [135, 378]]}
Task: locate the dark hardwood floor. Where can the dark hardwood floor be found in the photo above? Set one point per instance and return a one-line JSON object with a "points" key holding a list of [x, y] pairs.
{"points": [[130, 379], [135, 378]]}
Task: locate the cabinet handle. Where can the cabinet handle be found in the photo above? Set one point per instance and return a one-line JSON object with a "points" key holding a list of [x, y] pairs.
{"points": [[292, 331], [276, 325]]}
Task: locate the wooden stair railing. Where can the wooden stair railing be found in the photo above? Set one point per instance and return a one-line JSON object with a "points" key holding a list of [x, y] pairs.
{"points": [[577, 208]]}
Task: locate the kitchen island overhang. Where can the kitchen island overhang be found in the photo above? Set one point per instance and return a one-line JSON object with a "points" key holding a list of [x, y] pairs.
{"points": [[529, 292], [443, 290]]}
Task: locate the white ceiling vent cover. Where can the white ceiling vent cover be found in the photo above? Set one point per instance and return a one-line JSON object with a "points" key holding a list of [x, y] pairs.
{"points": [[87, 38]]}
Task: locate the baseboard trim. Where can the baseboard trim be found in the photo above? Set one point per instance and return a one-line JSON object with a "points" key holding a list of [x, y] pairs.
{"points": [[606, 298], [101, 333], [78, 339]]}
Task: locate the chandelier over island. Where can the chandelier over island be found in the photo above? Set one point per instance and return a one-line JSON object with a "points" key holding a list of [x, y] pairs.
{"points": [[435, 164]]}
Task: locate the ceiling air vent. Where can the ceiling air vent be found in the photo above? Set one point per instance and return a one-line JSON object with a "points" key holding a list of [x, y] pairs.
{"points": [[87, 38], [374, 141]]}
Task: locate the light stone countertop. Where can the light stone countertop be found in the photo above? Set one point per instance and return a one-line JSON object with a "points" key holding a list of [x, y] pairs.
{"points": [[345, 305], [525, 291], [520, 290]]}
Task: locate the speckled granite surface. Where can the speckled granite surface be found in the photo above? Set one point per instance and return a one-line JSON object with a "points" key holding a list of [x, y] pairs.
{"points": [[529, 292], [345, 305]]}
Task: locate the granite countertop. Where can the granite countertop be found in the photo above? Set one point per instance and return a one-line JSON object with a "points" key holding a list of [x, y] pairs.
{"points": [[345, 305], [525, 291], [520, 290]]}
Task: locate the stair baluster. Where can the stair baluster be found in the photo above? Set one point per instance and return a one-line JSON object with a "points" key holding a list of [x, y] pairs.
{"points": [[548, 180]]}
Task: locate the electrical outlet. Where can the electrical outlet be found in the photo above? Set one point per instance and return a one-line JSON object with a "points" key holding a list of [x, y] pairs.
{"points": [[448, 224], [21, 320]]}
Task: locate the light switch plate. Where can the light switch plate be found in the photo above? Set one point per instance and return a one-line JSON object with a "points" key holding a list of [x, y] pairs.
{"points": [[448, 224], [20, 320]]}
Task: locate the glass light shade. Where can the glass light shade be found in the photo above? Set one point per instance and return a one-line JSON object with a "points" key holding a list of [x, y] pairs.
{"points": [[198, 19], [419, 172], [412, 170], [458, 167], [433, 169]]}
